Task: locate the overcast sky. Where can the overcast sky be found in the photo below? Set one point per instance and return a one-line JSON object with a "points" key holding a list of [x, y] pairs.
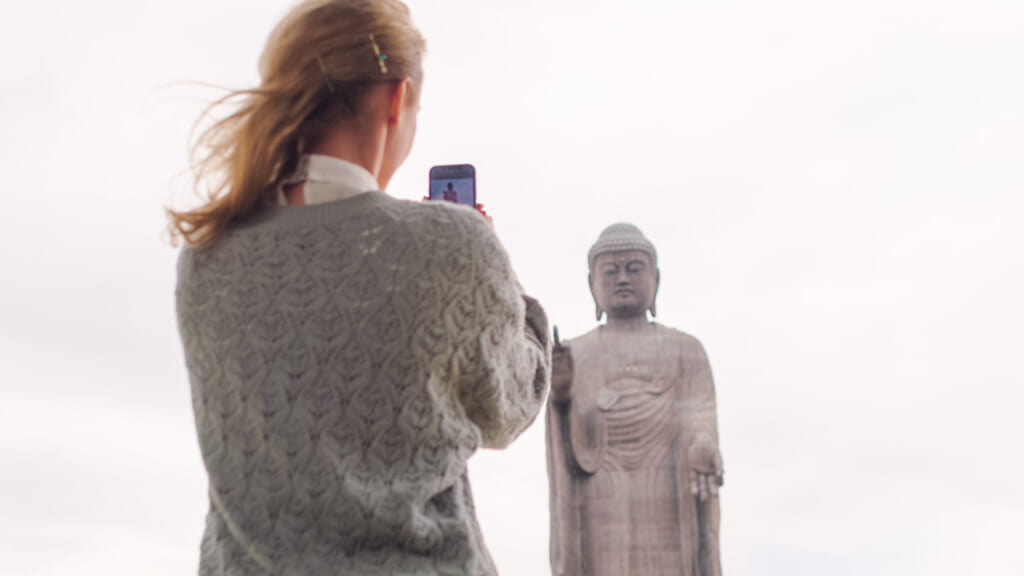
{"points": [[834, 189]]}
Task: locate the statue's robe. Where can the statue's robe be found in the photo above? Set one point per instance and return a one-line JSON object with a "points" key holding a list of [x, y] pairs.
{"points": [[621, 503]]}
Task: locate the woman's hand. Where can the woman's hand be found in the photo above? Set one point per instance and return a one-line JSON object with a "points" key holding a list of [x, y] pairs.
{"points": [[480, 209]]}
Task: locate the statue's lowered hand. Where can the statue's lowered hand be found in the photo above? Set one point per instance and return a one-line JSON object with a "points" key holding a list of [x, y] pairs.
{"points": [[561, 371], [705, 463]]}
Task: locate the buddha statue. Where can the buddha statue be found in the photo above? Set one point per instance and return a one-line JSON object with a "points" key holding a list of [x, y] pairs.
{"points": [[632, 433]]}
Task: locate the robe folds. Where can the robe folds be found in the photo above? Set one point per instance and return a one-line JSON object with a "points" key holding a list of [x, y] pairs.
{"points": [[620, 496]]}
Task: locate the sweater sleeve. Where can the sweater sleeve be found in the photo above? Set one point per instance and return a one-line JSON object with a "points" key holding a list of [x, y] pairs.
{"points": [[503, 363]]}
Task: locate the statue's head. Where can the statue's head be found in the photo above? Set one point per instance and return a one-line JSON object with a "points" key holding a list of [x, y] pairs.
{"points": [[624, 274]]}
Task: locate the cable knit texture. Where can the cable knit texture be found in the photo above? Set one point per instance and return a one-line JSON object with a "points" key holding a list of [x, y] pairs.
{"points": [[346, 360]]}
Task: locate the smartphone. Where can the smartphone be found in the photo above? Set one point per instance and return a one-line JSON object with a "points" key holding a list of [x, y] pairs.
{"points": [[454, 183]]}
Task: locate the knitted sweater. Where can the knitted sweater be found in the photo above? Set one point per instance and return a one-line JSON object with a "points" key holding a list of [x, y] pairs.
{"points": [[346, 359]]}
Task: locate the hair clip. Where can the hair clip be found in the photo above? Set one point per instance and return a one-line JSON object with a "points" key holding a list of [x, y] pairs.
{"points": [[380, 57], [327, 78]]}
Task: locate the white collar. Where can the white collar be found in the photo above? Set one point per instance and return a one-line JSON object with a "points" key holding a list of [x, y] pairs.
{"points": [[328, 179]]}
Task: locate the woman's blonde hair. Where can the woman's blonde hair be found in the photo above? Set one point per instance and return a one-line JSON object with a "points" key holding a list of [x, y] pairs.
{"points": [[316, 68]]}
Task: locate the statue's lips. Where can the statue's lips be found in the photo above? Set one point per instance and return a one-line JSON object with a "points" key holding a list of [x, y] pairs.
{"points": [[624, 292]]}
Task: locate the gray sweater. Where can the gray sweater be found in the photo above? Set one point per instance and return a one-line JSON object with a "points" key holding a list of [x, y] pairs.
{"points": [[346, 359]]}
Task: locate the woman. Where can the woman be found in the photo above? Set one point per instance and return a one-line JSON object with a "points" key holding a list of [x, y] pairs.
{"points": [[347, 351]]}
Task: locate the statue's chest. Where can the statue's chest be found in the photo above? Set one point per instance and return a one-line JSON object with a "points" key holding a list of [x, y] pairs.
{"points": [[637, 397], [639, 366], [636, 371]]}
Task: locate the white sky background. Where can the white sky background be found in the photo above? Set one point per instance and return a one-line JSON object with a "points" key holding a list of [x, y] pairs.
{"points": [[834, 189]]}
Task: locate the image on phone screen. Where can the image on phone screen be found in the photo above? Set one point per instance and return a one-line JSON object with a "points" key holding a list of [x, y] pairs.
{"points": [[453, 184]]}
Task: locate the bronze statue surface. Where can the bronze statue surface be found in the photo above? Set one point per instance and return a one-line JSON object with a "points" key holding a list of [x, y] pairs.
{"points": [[632, 433]]}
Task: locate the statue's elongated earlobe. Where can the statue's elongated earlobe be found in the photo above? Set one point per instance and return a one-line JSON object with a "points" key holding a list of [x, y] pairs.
{"points": [[598, 312], [657, 284]]}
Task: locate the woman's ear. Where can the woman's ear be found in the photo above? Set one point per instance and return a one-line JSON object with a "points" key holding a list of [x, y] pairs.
{"points": [[400, 101]]}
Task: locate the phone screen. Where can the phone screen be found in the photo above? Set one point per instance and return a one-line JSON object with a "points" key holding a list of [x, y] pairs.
{"points": [[454, 184]]}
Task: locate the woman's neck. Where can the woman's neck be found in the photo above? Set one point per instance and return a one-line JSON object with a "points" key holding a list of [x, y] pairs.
{"points": [[357, 148], [362, 148]]}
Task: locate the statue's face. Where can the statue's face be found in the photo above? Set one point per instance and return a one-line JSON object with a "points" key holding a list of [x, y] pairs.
{"points": [[624, 283]]}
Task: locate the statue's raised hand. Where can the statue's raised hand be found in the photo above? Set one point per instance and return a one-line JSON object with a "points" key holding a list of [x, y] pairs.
{"points": [[561, 371], [705, 464]]}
